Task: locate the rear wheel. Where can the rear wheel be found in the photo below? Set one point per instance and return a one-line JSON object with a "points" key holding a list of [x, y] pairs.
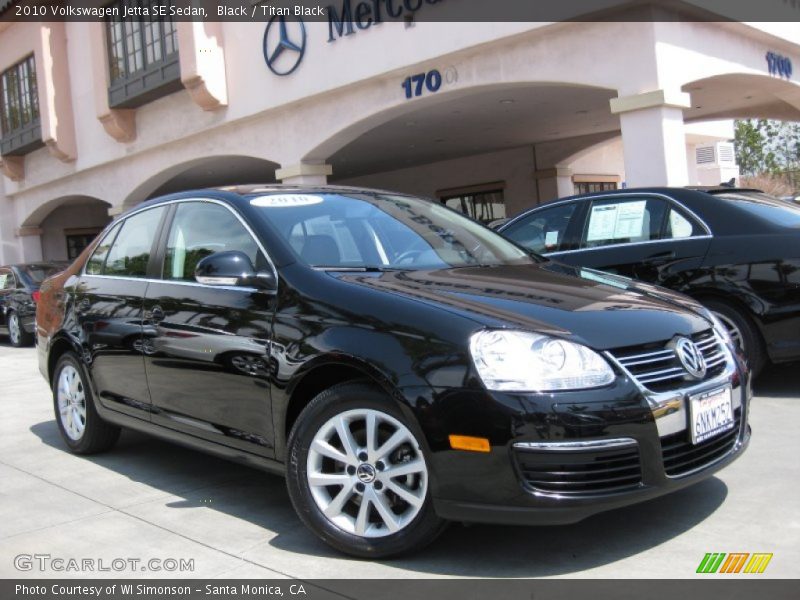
{"points": [[16, 334], [81, 427], [357, 475], [743, 332]]}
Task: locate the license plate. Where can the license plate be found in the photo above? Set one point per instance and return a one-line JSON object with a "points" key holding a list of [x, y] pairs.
{"points": [[711, 414]]}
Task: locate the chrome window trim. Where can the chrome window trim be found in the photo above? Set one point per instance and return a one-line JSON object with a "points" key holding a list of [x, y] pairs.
{"points": [[162, 280], [571, 446], [708, 233], [623, 244]]}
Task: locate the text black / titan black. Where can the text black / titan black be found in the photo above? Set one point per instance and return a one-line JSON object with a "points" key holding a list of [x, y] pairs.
{"points": [[401, 364]]}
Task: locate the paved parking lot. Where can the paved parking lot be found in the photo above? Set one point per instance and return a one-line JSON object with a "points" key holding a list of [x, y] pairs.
{"points": [[151, 500]]}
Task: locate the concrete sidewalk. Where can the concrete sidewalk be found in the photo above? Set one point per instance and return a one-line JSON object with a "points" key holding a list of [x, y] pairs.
{"points": [[147, 499]]}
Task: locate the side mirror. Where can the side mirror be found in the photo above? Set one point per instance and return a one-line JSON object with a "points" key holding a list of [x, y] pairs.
{"points": [[232, 268]]}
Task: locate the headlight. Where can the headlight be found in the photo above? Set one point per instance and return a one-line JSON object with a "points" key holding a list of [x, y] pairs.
{"points": [[529, 362]]}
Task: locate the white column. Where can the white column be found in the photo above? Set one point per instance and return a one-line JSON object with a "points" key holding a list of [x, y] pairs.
{"points": [[304, 174], [30, 243], [653, 138]]}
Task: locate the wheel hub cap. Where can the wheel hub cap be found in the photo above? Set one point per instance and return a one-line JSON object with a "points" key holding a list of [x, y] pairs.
{"points": [[365, 473]]}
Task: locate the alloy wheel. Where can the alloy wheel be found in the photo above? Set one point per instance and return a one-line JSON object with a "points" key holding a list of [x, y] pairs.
{"points": [[13, 328], [367, 473], [733, 330], [71, 402]]}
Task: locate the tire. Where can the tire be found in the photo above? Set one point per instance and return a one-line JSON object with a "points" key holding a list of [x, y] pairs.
{"points": [[16, 334], [364, 473], [81, 427], [743, 331]]}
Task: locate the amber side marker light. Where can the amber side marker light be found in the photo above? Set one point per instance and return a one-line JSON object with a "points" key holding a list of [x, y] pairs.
{"points": [[466, 442]]}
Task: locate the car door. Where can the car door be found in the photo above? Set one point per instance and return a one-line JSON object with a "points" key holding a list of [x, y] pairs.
{"points": [[646, 237], [7, 286], [206, 346], [108, 311]]}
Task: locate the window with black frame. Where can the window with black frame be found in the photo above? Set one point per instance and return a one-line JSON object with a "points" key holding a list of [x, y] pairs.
{"points": [[19, 119], [142, 55], [484, 203]]}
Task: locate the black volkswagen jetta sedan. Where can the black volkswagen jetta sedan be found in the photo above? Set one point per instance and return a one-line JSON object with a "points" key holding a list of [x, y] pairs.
{"points": [[735, 250], [401, 364]]}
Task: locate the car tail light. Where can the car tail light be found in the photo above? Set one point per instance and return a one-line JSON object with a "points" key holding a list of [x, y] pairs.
{"points": [[36, 295]]}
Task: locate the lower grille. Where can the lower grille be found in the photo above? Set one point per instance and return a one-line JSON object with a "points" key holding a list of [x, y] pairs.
{"points": [[680, 456], [573, 472]]}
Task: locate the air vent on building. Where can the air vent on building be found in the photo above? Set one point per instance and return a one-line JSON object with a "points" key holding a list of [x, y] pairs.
{"points": [[705, 154], [726, 153]]}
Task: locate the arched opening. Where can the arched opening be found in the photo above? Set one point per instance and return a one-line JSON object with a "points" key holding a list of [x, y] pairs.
{"points": [[206, 172], [741, 96], [474, 149], [67, 225]]}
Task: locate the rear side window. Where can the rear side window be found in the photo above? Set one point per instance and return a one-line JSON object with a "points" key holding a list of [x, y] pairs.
{"points": [[623, 221], [679, 227], [7, 280], [544, 230], [94, 266], [200, 229], [129, 253]]}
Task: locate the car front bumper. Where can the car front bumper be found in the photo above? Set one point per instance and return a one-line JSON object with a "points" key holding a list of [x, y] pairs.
{"points": [[533, 436]]}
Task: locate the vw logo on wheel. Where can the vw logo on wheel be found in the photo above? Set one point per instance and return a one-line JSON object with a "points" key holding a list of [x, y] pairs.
{"points": [[691, 358], [284, 44], [365, 473]]}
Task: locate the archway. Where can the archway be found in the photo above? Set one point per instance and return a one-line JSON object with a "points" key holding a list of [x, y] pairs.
{"points": [[206, 172]]}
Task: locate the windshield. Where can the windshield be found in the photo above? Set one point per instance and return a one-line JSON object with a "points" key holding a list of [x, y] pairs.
{"points": [[381, 231], [36, 274], [765, 207]]}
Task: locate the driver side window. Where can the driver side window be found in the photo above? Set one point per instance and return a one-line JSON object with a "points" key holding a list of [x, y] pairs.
{"points": [[544, 230], [200, 229]]}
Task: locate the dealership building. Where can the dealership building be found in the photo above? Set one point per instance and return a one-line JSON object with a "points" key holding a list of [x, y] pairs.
{"points": [[490, 118]]}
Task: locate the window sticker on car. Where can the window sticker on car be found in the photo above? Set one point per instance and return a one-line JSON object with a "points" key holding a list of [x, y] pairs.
{"points": [[280, 200], [551, 239], [616, 221], [3, 277]]}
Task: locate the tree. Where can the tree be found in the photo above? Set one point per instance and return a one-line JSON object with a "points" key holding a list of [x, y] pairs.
{"points": [[767, 147]]}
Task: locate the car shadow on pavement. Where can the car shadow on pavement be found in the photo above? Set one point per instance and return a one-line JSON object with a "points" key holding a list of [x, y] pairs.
{"points": [[247, 494]]}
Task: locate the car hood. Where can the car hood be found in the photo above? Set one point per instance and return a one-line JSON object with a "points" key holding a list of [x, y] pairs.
{"points": [[600, 310]]}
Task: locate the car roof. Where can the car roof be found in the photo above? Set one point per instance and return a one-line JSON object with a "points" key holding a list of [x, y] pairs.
{"points": [[705, 201]]}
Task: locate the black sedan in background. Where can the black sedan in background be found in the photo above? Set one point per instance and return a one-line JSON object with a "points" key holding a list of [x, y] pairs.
{"points": [[401, 364], [19, 292], [735, 250]]}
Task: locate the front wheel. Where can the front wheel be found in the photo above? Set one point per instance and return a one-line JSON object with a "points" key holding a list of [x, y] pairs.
{"points": [[81, 427], [357, 474], [743, 332]]}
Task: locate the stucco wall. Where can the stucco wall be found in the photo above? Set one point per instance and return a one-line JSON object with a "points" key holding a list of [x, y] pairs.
{"points": [[83, 216]]}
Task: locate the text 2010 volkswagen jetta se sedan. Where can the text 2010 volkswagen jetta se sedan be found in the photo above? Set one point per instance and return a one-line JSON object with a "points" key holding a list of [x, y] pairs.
{"points": [[403, 365]]}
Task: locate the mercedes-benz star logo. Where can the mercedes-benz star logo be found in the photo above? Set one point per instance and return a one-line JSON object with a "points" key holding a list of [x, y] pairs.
{"points": [[691, 358], [365, 473], [284, 45]]}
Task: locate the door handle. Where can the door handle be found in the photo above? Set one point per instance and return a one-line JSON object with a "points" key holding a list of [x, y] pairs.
{"points": [[155, 314]]}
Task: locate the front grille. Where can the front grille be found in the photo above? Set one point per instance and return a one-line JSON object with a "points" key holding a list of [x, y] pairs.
{"points": [[680, 456], [574, 472], [656, 366]]}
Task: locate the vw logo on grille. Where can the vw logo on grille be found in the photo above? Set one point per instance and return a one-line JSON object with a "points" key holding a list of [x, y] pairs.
{"points": [[691, 358], [365, 473]]}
